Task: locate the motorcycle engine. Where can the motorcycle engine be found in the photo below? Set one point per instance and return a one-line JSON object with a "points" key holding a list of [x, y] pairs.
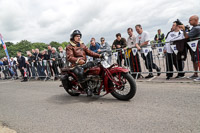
{"points": [[93, 82]]}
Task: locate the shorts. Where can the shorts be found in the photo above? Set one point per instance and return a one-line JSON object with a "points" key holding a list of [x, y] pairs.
{"points": [[195, 56]]}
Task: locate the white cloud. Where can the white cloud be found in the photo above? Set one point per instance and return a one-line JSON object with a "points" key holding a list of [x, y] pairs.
{"points": [[45, 21]]}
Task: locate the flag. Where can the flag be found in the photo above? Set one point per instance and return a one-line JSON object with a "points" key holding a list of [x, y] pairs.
{"points": [[5, 48], [193, 45], [134, 51], [115, 55], [174, 49], [160, 50], [146, 51]]}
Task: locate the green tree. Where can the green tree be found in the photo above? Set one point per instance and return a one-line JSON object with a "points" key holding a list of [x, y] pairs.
{"points": [[64, 44], [55, 44], [25, 45], [8, 44], [2, 53], [88, 45], [39, 45], [21, 46]]}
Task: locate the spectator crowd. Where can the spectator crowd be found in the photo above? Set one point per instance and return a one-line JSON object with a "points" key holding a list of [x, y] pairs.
{"points": [[42, 65]]}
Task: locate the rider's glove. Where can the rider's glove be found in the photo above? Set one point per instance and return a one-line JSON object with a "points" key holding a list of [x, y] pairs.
{"points": [[102, 56]]}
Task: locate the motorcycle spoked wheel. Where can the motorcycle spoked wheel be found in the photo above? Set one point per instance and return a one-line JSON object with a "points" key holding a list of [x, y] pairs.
{"points": [[68, 88], [128, 88]]}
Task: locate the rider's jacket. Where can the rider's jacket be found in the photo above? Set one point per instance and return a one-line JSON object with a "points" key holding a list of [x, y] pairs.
{"points": [[75, 52]]}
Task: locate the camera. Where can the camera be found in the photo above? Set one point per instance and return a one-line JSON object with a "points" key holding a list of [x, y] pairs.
{"points": [[178, 22], [187, 27]]}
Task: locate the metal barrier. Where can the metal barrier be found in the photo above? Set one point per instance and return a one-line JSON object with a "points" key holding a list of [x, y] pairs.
{"points": [[144, 63], [43, 69], [148, 62]]}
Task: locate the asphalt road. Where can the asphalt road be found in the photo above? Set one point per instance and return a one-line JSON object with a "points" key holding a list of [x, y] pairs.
{"points": [[43, 107]]}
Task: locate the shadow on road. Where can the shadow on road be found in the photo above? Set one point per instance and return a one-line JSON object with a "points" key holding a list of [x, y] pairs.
{"points": [[67, 99]]}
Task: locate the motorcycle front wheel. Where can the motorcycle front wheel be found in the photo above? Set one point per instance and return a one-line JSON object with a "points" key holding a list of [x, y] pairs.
{"points": [[128, 88]]}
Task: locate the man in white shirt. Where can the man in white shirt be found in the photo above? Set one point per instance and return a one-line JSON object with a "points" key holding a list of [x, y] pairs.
{"points": [[171, 57], [134, 61], [142, 41]]}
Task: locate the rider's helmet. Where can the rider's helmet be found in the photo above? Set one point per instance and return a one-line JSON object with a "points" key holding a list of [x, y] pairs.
{"points": [[74, 33]]}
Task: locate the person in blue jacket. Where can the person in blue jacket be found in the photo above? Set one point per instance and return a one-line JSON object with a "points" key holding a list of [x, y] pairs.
{"points": [[94, 46]]}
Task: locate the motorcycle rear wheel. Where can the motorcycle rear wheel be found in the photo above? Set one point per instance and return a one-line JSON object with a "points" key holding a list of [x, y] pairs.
{"points": [[70, 92], [118, 93], [69, 89]]}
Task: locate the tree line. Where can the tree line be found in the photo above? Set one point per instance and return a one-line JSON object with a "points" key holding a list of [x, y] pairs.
{"points": [[26, 45]]}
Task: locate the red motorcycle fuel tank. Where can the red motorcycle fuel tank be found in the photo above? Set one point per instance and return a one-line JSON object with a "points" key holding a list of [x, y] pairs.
{"points": [[94, 71]]}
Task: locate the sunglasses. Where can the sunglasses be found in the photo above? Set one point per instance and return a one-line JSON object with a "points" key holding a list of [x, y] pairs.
{"points": [[102, 40]]}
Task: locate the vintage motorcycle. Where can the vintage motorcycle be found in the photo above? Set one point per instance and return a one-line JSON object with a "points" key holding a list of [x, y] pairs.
{"points": [[102, 79]]}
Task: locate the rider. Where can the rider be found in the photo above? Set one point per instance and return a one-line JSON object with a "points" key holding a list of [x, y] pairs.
{"points": [[76, 54]]}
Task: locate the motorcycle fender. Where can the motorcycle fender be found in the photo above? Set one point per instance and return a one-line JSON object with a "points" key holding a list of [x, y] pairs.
{"points": [[114, 70], [63, 77]]}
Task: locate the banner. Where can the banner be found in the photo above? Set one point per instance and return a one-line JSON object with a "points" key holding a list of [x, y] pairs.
{"points": [[134, 50], [5, 48], [174, 49], [146, 51], [193, 45], [160, 50]]}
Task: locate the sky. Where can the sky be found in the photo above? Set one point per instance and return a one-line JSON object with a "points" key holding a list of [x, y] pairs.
{"points": [[53, 20]]}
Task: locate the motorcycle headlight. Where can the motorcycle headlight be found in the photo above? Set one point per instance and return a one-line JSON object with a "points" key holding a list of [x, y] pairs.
{"points": [[106, 57], [105, 64]]}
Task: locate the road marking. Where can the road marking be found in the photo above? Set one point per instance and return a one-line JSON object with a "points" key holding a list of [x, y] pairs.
{"points": [[5, 129]]}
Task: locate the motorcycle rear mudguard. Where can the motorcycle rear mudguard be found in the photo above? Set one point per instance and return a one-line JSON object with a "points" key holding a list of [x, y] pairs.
{"points": [[112, 71]]}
